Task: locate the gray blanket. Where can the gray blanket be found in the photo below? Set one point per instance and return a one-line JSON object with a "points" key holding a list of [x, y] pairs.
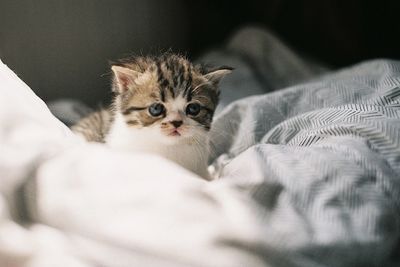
{"points": [[322, 160]]}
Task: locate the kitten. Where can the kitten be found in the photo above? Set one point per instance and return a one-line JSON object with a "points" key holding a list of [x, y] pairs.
{"points": [[163, 105]]}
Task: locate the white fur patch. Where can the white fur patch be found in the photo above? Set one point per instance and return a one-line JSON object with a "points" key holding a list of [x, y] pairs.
{"points": [[189, 150]]}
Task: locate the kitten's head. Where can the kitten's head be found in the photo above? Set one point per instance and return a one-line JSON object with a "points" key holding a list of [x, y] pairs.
{"points": [[166, 96]]}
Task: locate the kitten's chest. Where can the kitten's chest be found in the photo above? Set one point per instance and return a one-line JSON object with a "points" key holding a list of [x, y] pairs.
{"points": [[190, 155]]}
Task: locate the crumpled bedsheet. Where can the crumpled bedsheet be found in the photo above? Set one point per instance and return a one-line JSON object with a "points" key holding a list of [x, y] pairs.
{"points": [[309, 176]]}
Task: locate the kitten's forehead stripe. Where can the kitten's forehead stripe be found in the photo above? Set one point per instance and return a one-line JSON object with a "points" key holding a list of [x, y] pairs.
{"points": [[189, 79], [159, 79], [162, 94], [177, 70], [172, 91]]}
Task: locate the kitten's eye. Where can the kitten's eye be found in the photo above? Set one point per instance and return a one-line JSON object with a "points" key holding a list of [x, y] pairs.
{"points": [[193, 109], [156, 109]]}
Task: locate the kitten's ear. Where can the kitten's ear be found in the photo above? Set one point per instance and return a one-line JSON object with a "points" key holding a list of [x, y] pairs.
{"points": [[216, 75], [124, 77]]}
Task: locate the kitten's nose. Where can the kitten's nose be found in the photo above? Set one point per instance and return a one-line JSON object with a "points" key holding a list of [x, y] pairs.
{"points": [[176, 123]]}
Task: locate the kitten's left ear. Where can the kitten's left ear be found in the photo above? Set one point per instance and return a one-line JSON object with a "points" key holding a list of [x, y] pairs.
{"points": [[216, 75]]}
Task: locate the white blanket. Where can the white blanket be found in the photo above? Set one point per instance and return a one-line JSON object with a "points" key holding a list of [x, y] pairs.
{"points": [[68, 203], [310, 177]]}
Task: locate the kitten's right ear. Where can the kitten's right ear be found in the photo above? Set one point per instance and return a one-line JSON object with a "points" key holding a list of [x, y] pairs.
{"points": [[217, 74], [124, 78]]}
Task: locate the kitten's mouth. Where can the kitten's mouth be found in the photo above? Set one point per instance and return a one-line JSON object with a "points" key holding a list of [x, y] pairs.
{"points": [[174, 133]]}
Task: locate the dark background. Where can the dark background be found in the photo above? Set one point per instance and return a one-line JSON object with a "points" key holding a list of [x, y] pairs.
{"points": [[61, 48]]}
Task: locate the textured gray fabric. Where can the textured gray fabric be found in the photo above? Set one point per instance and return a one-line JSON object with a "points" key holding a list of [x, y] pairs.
{"points": [[322, 160]]}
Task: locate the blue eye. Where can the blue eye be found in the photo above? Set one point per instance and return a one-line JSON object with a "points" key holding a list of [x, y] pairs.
{"points": [[193, 109], [156, 109]]}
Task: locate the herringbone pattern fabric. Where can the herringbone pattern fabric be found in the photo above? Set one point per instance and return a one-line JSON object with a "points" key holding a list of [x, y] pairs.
{"points": [[322, 160]]}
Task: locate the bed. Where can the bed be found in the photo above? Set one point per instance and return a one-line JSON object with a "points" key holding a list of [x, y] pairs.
{"points": [[309, 175]]}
